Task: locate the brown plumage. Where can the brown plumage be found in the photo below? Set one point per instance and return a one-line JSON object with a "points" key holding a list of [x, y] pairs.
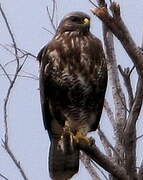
{"points": [[73, 80]]}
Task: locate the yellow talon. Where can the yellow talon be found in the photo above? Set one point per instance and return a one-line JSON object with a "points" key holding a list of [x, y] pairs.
{"points": [[80, 136]]}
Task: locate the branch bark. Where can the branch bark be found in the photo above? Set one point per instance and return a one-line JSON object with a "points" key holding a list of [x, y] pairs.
{"points": [[118, 95], [105, 162], [127, 81], [92, 171], [130, 131], [119, 29]]}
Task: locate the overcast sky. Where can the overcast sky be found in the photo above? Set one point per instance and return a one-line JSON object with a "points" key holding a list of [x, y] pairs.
{"points": [[28, 138]]}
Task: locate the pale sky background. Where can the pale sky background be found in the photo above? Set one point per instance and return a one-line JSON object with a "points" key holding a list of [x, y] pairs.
{"points": [[28, 139]]}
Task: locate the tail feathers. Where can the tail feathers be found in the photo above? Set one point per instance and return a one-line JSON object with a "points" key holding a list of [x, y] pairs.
{"points": [[63, 159]]}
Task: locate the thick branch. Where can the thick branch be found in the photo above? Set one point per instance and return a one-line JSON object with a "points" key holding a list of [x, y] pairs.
{"points": [[117, 26], [130, 130], [94, 153], [118, 95], [134, 114]]}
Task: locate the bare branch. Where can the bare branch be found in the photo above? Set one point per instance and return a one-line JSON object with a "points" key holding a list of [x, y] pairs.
{"points": [[51, 15], [94, 153], [117, 92], [22, 76], [107, 145], [117, 26], [48, 31], [109, 113], [126, 77], [99, 168], [53, 9], [118, 95], [17, 163], [12, 83], [10, 32], [135, 110], [86, 161], [6, 74], [130, 130], [1, 175], [93, 3], [139, 137], [105, 142]]}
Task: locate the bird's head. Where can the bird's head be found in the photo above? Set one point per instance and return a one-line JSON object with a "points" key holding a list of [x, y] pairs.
{"points": [[75, 21]]}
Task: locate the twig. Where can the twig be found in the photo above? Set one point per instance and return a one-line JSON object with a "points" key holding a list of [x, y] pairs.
{"points": [[99, 169], [16, 162], [51, 16], [18, 68], [34, 76], [93, 3], [139, 137], [53, 9], [10, 32], [48, 30], [22, 76], [6, 74], [1, 175]]}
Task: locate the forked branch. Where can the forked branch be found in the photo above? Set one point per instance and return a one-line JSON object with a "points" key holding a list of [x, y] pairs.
{"points": [[119, 29]]}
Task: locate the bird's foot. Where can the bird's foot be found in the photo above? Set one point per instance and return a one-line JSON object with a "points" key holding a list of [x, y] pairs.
{"points": [[82, 137]]}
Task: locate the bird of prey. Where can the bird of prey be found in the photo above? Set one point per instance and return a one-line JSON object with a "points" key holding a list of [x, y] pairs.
{"points": [[73, 80]]}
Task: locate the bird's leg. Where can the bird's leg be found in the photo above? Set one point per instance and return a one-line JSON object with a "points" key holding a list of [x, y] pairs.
{"points": [[67, 138], [67, 127]]}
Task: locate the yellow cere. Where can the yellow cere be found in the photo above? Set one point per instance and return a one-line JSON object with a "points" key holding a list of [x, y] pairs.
{"points": [[86, 20]]}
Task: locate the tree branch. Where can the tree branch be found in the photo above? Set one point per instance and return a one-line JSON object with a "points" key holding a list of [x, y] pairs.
{"points": [[130, 131], [1, 175], [126, 77], [94, 153], [107, 145], [117, 92], [51, 15], [6, 74], [86, 161], [117, 26], [12, 83], [109, 113]]}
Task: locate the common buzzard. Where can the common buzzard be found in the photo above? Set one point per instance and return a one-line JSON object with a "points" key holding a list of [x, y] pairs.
{"points": [[73, 80]]}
